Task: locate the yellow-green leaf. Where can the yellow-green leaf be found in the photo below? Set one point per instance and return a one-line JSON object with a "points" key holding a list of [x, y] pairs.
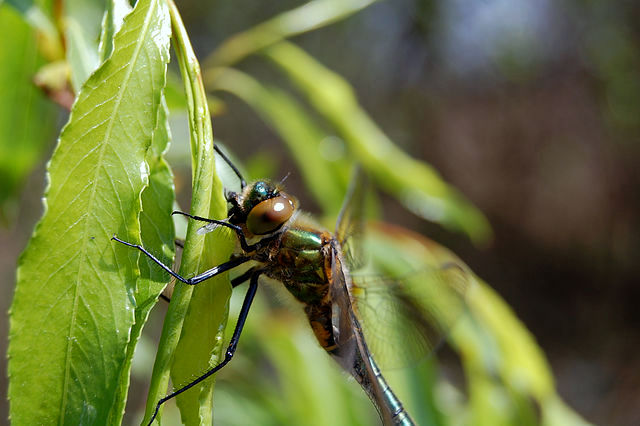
{"points": [[74, 303], [414, 183]]}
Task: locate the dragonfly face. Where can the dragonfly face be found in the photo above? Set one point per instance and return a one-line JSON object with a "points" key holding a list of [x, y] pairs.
{"points": [[309, 262], [261, 207]]}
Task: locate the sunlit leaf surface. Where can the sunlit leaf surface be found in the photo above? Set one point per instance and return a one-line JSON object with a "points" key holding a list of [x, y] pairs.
{"points": [[156, 226], [196, 318], [82, 32], [111, 24], [74, 302]]}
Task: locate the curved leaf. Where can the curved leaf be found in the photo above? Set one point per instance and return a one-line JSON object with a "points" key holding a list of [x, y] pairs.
{"points": [[111, 24], [324, 175], [509, 379], [196, 318], [415, 183], [157, 230], [82, 32], [308, 17], [73, 309]]}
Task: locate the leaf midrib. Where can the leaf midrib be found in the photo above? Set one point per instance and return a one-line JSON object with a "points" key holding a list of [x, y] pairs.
{"points": [[123, 87]]}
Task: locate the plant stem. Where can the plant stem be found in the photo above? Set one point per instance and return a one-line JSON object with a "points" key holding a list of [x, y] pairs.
{"points": [[207, 201]]}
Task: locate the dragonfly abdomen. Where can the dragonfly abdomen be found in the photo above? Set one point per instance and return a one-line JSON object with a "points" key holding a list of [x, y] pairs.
{"points": [[399, 416]]}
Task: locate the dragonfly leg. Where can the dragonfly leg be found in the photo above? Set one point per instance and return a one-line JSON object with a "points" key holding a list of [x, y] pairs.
{"points": [[234, 283], [242, 278], [193, 280], [238, 230], [235, 228], [233, 343]]}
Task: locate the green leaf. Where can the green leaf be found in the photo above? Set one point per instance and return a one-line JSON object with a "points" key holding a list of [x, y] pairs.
{"points": [[34, 15], [508, 377], [74, 303], [308, 17], [157, 230], [21, 142], [82, 20], [201, 344], [193, 326], [413, 182], [111, 24], [502, 362]]}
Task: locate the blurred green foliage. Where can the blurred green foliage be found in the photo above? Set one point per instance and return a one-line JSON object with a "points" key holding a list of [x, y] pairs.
{"points": [[22, 143], [279, 375]]}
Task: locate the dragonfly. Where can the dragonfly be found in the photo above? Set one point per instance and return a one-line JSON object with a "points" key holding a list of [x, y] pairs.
{"points": [[314, 265]]}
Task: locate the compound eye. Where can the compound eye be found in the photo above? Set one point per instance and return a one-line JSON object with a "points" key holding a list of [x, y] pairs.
{"points": [[269, 215]]}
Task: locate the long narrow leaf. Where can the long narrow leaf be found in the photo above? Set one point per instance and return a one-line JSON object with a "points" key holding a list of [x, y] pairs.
{"points": [[196, 318], [508, 378], [324, 175], [308, 17], [74, 304], [415, 183]]}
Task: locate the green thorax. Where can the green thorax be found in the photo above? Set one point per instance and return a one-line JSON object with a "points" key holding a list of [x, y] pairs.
{"points": [[300, 260]]}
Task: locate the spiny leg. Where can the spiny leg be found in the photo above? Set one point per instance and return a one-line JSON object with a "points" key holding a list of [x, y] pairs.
{"points": [[238, 230], [235, 228], [233, 343], [178, 243], [193, 280], [234, 282]]}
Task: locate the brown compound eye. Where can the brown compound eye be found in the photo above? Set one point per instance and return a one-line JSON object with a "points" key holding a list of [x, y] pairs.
{"points": [[269, 215]]}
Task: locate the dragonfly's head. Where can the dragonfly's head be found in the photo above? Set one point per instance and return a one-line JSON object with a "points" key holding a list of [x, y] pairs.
{"points": [[262, 207]]}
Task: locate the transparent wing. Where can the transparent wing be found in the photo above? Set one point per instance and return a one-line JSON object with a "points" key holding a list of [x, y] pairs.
{"points": [[412, 290], [341, 319], [214, 227], [209, 227], [404, 319], [352, 353], [350, 224]]}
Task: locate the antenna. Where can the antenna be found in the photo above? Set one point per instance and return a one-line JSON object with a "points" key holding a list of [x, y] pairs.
{"points": [[284, 178], [243, 183]]}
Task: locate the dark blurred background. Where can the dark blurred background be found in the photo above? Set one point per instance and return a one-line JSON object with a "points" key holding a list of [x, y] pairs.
{"points": [[532, 110]]}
